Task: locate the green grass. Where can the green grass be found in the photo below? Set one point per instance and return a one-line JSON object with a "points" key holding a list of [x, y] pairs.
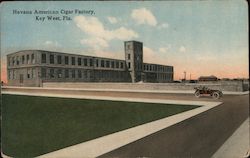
{"points": [[37, 125]]}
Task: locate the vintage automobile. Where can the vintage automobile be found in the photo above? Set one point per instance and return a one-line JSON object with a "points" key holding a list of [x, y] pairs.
{"points": [[204, 91]]}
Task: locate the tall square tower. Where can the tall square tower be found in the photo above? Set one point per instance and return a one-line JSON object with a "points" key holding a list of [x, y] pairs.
{"points": [[134, 59]]}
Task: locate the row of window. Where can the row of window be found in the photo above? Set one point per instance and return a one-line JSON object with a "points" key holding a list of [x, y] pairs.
{"points": [[30, 73], [164, 76], [148, 67], [79, 73], [23, 59], [81, 61]]}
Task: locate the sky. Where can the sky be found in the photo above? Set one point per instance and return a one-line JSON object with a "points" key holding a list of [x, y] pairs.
{"points": [[199, 37]]}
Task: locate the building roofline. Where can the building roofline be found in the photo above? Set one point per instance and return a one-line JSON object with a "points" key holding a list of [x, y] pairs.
{"points": [[133, 41], [39, 50], [157, 64]]}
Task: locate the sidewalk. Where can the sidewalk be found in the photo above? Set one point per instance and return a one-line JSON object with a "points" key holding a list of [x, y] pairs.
{"points": [[121, 90], [237, 145]]}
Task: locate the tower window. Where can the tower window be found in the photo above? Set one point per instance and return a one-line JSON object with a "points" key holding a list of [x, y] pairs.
{"points": [[128, 56], [129, 65]]}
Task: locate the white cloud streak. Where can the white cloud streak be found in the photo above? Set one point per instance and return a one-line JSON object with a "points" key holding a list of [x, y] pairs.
{"points": [[112, 20], [98, 35], [144, 16]]}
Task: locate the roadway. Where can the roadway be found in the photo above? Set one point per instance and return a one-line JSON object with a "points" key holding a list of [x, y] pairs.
{"points": [[199, 136]]}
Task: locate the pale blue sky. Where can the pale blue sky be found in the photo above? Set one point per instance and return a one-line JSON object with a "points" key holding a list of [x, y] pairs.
{"points": [[185, 34]]}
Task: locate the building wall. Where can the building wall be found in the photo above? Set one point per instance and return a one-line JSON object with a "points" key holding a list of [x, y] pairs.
{"points": [[47, 66], [235, 86], [157, 73]]}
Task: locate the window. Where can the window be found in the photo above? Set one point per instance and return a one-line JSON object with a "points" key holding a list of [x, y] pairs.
{"points": [[28, 58], [128, 56], [51, 59], [51, 73], [33, 58], [117, 64], [73, 62], [59, 59], [128, 46], [14, 73], [29, 73], [73, 73], [33, 74], [23, 59], [102, 63], [107, 64], [112, 64], [66, 73], [79, 74], [79, 61], [85, 74], [17, 60], [90, 62], [13, 61], [97, 62], [129, 65], [121, 65], [59, 73], [66, 60], [43, 72], [9, 61], [43, 58], [85, 62]]}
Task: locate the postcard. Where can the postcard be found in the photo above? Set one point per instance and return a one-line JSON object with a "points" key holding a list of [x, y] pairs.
{"points": [[124, 79]]}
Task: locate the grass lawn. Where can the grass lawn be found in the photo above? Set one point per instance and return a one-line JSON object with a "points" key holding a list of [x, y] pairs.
{"points": [[37, 125]]}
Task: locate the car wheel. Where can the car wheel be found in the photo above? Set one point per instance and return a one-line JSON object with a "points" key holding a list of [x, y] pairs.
{"points": [[197, 94], [216, 95]]}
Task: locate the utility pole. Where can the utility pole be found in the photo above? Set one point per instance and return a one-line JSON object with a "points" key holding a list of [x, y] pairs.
{"points": [[184, 75]]}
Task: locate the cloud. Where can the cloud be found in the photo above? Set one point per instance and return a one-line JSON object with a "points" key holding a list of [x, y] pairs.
{"points": [[52, 43], [100, 35], [163, 25], [182, 49], [153, 56], [164, 49], [144, 16], [112, 20], [96, 43]]}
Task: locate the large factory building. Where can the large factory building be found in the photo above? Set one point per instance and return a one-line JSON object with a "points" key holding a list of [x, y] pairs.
{"points": [[34, 67]]}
